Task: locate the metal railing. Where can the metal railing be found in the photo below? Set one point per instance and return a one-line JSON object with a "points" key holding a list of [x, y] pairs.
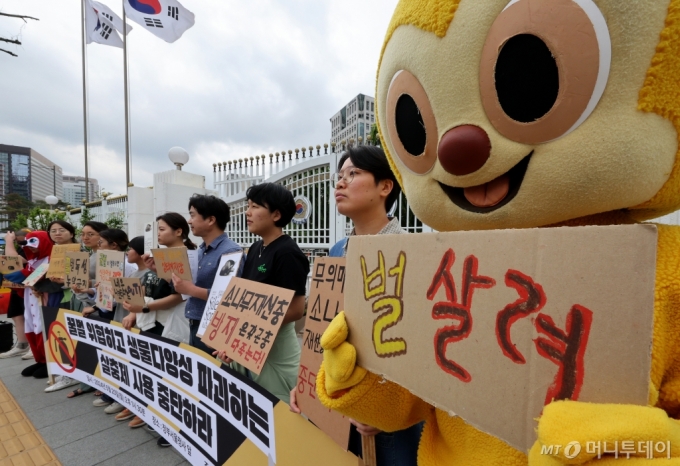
{"points": [[307, 173]]}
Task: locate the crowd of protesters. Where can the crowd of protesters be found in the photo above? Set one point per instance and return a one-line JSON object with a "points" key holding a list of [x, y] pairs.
{"points": [[365, 190]]}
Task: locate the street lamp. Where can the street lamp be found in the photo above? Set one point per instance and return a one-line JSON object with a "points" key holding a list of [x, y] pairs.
{"points": [[52, 201], [178, 156]]}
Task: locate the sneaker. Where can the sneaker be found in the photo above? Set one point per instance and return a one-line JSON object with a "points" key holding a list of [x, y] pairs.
{"points": [[136, 422], [114, 408], [30, 370], [41, 372], [28, 355], [99, 403], [61, 383], [124, 415], [150, 429], [162, 442], [15, 351]]}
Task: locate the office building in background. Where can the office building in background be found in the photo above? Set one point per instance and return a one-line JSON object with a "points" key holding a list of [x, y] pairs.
{"points": [[354, 120], [26, 172], [74, 190]]}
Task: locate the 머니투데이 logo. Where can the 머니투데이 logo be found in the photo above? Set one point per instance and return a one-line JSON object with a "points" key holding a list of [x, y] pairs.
{"points": [[149, 7]]}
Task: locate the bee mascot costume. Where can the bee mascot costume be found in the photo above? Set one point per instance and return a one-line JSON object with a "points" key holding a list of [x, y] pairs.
{"points": [[500, 114]]}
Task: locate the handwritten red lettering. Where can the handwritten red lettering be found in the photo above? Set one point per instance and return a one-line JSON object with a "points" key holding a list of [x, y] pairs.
{"points": [[452, 309]]}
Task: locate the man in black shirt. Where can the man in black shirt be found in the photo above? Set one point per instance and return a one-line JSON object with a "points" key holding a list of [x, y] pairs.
{"points": [[278, 261]]}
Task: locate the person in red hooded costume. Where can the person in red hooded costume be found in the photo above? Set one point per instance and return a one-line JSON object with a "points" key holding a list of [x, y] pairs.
{"points": [[38, 248]]}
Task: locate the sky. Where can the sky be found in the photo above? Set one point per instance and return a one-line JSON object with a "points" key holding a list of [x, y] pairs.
{"points": [[250, 78]]}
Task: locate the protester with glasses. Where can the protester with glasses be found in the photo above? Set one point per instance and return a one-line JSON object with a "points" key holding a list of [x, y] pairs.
{"points": [[365, 190]]}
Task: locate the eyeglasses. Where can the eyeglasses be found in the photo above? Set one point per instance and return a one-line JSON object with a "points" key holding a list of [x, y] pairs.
{"points": [[346, 175]]}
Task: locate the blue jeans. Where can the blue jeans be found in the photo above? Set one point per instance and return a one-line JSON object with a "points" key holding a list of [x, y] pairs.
{"points": [[195, 341], [398, 448]]}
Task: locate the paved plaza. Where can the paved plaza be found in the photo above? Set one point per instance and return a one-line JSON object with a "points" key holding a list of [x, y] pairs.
{"points": [[38, 428]]}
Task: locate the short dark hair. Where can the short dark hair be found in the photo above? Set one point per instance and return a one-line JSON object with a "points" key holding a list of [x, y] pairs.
{"points": [[66, 225], [373, 160], [211, 206], [96, 226], [274, 197], [114, 235]]}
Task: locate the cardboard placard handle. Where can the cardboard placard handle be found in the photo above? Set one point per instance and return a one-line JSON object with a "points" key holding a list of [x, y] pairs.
{"points": [[368, 450]]}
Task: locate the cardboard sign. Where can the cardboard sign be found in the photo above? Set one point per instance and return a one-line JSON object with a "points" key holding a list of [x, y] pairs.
{"points": [[37, 274], [129, 289], [172, 260], [77, 267], [226, 270], [8, 284], [58, 259], [325, 301], [247, 320], [110, 265], [105, 299], [493, 325], [9, 264]]}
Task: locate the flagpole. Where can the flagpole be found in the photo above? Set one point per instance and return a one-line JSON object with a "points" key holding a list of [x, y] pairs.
{"points": [[127, 101], [82, 37]]}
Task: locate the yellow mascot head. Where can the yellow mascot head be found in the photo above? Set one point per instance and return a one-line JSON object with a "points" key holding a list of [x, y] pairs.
{"points": [[526, 113]]}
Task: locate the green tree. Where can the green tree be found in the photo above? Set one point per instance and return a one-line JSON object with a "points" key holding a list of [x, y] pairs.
{"points": [[115, 220], [40, 219], [13, 205], [21, 221], [85, 216], [374, 137]]}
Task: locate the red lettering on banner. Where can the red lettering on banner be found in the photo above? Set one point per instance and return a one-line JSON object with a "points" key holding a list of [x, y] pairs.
{"points": [[531, 299], [452, 309], [566, 349]]}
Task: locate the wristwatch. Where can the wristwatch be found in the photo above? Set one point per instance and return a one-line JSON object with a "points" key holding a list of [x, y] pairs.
{"points": [[146, 309]]}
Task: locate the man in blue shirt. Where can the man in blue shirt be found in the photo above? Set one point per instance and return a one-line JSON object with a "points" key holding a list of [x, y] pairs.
{"points": [[209, 216]]}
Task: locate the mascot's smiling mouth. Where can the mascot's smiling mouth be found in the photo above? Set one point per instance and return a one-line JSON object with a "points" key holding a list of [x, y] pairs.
{"points": [[490, 196]]}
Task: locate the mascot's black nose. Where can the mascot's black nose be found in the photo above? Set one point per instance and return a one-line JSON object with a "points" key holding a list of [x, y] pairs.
{"points": [[464, 150]]}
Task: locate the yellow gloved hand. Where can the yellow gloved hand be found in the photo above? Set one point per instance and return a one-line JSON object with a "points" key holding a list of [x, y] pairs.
{"points": [[584, 426], [340, 357]]}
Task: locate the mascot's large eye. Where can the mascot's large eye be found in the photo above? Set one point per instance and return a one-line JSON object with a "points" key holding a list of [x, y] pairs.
{"points": [[544, 68], [411, 124]]}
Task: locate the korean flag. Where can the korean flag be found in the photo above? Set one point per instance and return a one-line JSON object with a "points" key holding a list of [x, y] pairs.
{"points": [[167, 19]]}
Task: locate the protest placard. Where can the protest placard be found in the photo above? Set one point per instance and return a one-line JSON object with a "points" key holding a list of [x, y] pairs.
{"points": [[8, 284], [325, 301], [77, 266], [58, 259], [226, 270], [150, 235], [247, 320], [9, 264], [172, 260], [129, 289], [36, 275], [493, 325], [110, 265]]}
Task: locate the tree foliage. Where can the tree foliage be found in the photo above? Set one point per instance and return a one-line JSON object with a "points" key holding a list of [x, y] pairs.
{"points": [[40, 219]]}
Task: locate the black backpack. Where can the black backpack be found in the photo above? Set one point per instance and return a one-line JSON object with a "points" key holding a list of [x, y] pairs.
{"points": [[6, 336]]}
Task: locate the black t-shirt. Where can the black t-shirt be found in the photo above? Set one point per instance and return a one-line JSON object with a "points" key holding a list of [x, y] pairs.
{"points": [[155, 287], [281, 263]]}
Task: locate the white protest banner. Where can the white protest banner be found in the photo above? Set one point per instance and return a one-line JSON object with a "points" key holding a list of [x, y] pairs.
{"points": [[226, 270], [493, 325], [36, 275]]}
